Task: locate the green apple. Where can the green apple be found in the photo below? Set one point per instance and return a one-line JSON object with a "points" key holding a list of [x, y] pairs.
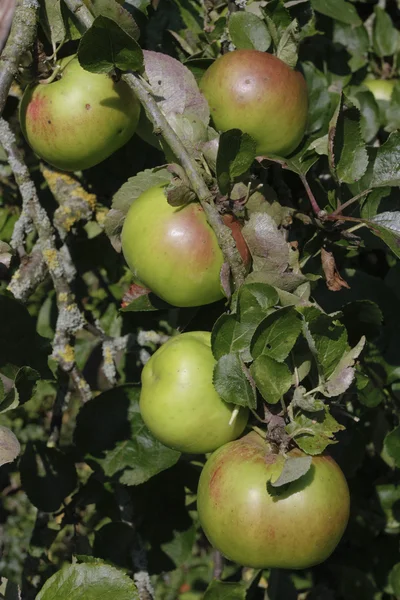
{"points": [[77, 121], [261, 95], [173, 251], [178, 401], [292, 527], [382, 89]]}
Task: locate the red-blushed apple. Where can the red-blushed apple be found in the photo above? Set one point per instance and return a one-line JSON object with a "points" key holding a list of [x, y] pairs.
{"points": [[259, 94], [173, 250], [251, 523], [178, 401], [77, 121]]}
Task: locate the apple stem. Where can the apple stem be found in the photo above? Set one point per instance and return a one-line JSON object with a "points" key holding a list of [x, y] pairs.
{"points": [[52, 77], [234, 414]]}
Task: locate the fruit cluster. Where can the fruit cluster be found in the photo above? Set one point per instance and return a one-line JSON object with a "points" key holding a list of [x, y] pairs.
{"points": [[242, 513], [248, 520]]}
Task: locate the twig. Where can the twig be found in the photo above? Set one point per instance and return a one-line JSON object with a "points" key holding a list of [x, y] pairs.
{"points": [[70, 319], [21, 38], [161, 125], [31, 273], [349, 203], [310, 195], [58, 408], [218, 560]]}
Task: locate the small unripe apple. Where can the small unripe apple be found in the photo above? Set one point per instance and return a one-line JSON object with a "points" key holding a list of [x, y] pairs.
{"points": [[261, 95], [382, 89], [173, 251], [77, 121], [178, 401], [295, 526]]}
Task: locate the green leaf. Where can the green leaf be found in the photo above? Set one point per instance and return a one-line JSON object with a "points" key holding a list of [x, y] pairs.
{"points": [[236, 154], [277, 334], [232, 381], [288, 45], [337, 9], [89, 582], [180, 548], [348, 153], [318, 97], [114, 11], [387, 227], [52, 21], [392, 445], [118, 439], [48, 476], [394, 579], [293, 468], [9, 446], [385, 37], [343, 375], [105, 46], [221, 590], [308, 403], [314, 434], [233, 333], [273, 379], [326, 338], [356, 42], [369, 110], [248, 31], [386, 163], [389, 498]]}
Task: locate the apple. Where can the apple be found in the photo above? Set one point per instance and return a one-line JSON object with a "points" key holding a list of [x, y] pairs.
{"points": [[178, 401], [259, 94], [382, 89], [255, 525], [77, 121], [173, 251]]}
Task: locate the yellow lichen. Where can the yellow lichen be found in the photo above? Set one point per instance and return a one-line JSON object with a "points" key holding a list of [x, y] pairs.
{"points": [[50, 256]]}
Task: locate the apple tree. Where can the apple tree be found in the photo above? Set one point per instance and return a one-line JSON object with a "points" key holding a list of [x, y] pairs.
{"points": [[199, 299]]}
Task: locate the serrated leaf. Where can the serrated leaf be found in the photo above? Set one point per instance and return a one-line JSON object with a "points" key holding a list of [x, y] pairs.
{"points": [[318, 97], [343, 375], [223, 590], [232, 382], [236, 153], [277, 334], [337, 9], [385, 161], [273, 379], [327, 339], [356, 42], [118, 440], [369, 109], [9, 446], [350, 157], [52, 21], [232, 333], [105, 46], [392, 445], [270, 253], [89, 582], [385, 37], [314, 434], [48, 476], [248, 31], [387, 227], [294, 467], [141, 299], [117, 13], [288, 45]]}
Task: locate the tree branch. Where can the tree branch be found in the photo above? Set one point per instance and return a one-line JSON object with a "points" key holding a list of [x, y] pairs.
{"points": [[21, 39], [70, 319], [160, 123]]}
